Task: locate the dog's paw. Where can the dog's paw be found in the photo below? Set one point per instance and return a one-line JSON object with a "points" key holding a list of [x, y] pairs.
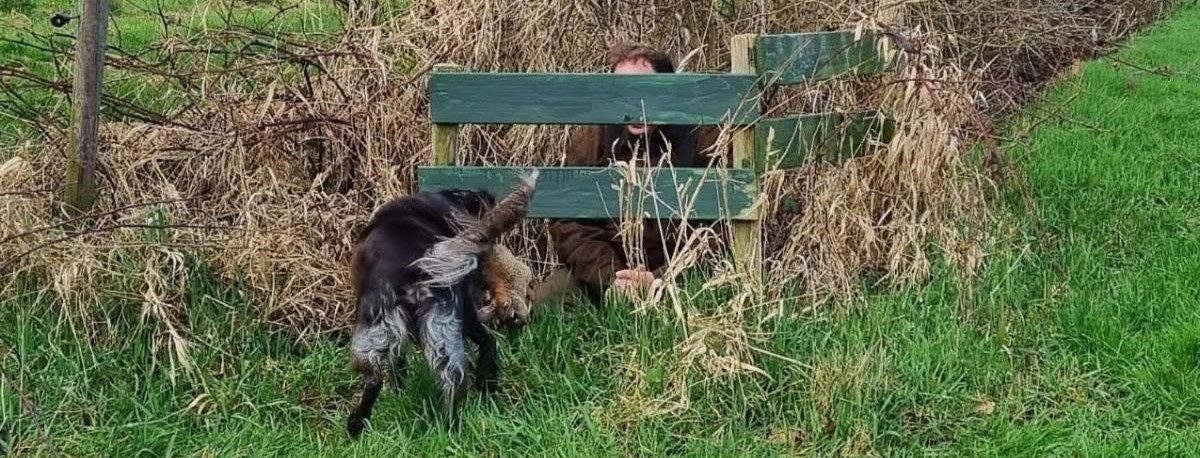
{"points": [[488, 386], [355, 426]]}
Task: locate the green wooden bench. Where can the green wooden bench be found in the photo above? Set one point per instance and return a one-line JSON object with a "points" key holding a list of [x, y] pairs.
{"points": [[760, 143]]}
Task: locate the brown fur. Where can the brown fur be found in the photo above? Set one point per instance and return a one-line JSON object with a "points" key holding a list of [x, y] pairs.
{"points": [[506, 279]]}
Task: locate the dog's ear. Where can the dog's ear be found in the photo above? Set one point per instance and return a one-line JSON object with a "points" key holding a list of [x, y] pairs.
{"points": [[489, 200], [480, 201], [471, 202]]}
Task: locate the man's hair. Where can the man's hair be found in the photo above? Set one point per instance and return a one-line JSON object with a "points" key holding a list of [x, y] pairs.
{"points": [[625, 52]]}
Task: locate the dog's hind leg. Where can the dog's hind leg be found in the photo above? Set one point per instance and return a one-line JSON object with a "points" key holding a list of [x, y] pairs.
{"points": [[442, 335], [399, 367], [376, 341], [372, 383]]}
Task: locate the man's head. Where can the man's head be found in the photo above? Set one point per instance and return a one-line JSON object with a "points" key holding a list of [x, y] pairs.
{"points": [[638, 59]]}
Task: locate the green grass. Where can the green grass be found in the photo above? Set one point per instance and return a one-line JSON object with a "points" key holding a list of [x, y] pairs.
{"points": [[1083, 339], [135, 26]]}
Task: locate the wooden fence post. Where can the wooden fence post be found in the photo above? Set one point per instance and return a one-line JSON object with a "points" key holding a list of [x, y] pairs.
{"points": [[747, 243], [445, 136], [90, 43], [889, 13]]}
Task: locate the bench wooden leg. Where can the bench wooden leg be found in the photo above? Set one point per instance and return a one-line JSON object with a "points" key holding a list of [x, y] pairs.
{"points": [[747, 249], [747, 246]]}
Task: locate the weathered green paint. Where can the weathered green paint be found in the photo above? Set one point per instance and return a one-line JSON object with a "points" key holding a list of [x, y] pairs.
{"points": [[445, 136], [592, 193], [573, 98], [831, 137], [799, 57]]}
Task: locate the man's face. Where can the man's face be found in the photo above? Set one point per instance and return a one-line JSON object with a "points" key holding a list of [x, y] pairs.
{"points": [[633, 67]]}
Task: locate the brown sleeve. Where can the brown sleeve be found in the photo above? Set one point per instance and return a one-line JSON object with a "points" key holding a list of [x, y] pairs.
{"points": [[583, 148], [587, 248]]}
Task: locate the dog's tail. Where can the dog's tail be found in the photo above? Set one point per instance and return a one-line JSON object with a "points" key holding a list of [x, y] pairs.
{"points": [[450, 260]]}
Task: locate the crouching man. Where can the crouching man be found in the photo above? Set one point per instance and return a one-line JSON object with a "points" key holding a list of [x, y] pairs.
{"points": [[592, 250]]}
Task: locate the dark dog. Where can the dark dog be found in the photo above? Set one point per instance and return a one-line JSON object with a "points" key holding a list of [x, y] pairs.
{"points": [[416, 277]]}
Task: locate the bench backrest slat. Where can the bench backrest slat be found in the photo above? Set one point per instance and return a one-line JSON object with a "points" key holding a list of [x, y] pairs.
{"points": [[572, 98], [801, 57], [792, 141], [603, 193]]}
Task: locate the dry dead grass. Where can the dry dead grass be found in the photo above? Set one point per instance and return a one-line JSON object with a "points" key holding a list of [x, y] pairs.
{"points": [[272, 186]]}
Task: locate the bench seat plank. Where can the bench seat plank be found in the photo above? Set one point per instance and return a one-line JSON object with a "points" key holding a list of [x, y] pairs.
{"points": [[592, 192], [792, 141]]}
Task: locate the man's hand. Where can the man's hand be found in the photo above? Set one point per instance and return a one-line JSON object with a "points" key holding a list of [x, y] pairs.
{"points": [[629, 280]]}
